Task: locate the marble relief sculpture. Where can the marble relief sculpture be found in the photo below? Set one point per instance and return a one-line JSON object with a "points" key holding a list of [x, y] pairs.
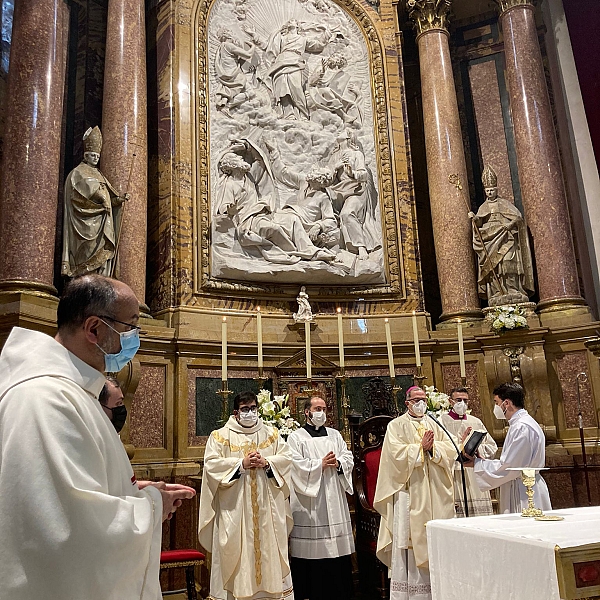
{"points": [[505, 271], [92, 215], [293, 173]]}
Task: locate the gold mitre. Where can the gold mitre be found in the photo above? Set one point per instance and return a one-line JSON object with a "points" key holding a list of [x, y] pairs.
{"points": [[488, 177], [92, 140]]}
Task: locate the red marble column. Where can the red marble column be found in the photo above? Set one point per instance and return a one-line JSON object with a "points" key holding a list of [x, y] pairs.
{"points": [[445, 157], [124, 131], [32, 145], [542, 187]]}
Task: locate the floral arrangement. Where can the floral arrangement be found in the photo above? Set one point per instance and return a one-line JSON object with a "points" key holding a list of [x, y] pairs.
{"points": [[437, 402], [276, 412], [505, 318]]}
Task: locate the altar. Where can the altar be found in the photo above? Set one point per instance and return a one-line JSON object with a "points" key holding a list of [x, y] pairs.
{"points": [[508, 556]]}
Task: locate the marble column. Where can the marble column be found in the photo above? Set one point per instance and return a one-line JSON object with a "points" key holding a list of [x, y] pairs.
{"points": [[32, 145], [445, 158], [124, 153], [538, 160]]}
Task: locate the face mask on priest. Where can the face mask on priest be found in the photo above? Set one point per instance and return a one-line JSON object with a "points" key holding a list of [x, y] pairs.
{"points": [[247, 416], [460, 408]]}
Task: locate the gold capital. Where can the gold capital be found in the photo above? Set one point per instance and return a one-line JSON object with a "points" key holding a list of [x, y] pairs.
{"points": [[504, 5], [429, 14]]}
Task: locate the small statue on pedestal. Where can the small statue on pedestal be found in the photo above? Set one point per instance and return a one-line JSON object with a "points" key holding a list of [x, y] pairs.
{"points": [[505, 273], [92, 215], [304, 310]]}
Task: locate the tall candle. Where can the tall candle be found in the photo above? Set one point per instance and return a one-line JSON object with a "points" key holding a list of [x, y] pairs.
{"points": [[388, 339], [224, 350], [259, 336], [341, 337], [461, 351], [416, 338], [308, 351]]}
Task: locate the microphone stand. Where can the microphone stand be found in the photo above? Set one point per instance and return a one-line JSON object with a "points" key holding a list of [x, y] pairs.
{"points": [[459, 459]]}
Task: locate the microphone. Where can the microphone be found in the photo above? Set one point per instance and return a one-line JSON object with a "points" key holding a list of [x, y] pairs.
{"points": [[459, 458]]}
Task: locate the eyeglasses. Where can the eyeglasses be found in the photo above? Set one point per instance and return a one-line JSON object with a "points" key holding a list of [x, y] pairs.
{"points": [[131, 327], [247, 409]]}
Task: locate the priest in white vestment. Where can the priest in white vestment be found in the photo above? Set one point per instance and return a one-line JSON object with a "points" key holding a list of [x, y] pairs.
{"points": [[321, 541], [524, 448], [73, 522], [459, 423], [414, 485], [245, 516]]}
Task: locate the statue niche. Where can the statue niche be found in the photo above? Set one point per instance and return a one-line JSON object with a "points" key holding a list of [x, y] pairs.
{"points": [[294, 189]]}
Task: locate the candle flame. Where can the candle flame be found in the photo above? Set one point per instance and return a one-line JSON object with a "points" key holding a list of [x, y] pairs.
{"points": [[339, 309], [414, 312], [224, 318], [258, 309], [387, 320]]}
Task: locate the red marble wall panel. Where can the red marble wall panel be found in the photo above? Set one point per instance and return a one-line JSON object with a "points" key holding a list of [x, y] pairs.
{"points": [[568, 367], [490, 123], [147, 409]]}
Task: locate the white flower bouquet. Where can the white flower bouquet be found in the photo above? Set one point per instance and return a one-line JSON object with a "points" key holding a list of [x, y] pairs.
{"points": [[276, 412], [437, 402], [506, 318]]}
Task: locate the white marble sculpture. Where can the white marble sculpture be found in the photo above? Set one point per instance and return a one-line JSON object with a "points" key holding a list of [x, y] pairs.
{"points": [[292, 145], [304, 309]]}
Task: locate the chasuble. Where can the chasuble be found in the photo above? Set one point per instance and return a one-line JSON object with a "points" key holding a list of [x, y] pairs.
{"points": [[245, 516]]}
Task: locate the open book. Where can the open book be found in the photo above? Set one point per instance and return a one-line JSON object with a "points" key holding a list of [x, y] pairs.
{"points": [[471, 444]]}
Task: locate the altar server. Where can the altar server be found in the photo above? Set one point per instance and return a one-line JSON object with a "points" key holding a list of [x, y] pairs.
{"points": [[321, 542], [73, 521], [460, 423], [414, 485], [524, 447], [245, 518]]}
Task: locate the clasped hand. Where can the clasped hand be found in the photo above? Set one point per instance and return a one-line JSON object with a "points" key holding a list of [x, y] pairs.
{"points": [[173, 495], [254, 460], [427, 441], [329, 460]]}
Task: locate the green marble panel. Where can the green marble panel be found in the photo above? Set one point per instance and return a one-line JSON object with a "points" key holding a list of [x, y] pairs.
{"points": [[208, 402]]}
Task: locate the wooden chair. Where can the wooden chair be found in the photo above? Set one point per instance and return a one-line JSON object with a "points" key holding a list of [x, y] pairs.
{"points": [[182, 559], [367, 440]]}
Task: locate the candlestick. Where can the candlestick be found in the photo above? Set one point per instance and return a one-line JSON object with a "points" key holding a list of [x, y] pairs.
{"points": [[341, 337], [308, 351], [461, 351], [224, 350], [259, 336], [224, 393], [388, 339], [416, 338]]}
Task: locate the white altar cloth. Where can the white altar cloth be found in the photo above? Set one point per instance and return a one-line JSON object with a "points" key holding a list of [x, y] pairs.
{"points": [[504, 556]]}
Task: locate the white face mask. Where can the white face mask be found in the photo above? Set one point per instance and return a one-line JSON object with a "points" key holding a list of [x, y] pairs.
{"points": [[419, 408], [248, 419], [318, 418], [498, 412], [460, 408]]}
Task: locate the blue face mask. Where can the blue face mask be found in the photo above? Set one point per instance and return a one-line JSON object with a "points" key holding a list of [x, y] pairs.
{"points": [[130, 343]]}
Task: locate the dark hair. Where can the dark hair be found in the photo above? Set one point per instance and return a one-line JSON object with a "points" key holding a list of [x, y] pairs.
{"points": [[308, 402], [84, 297], [511, 391], [103, 397], [244, 398], [461, 389]]}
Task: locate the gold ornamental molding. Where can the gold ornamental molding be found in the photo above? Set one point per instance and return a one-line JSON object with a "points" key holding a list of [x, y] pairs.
{"points": [[381, 101], [429, 15], [505, 5]]}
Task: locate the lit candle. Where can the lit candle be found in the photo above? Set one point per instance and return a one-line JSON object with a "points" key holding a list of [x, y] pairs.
{"points": [[259, 336], [308, 352], [388, 339], [461, 351], [341, 337], [224, 350], [416, 338]]}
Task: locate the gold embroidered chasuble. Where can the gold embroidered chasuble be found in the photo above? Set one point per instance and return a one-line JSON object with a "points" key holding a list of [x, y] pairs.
{"points": [[245, 519], [427, 478]]}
